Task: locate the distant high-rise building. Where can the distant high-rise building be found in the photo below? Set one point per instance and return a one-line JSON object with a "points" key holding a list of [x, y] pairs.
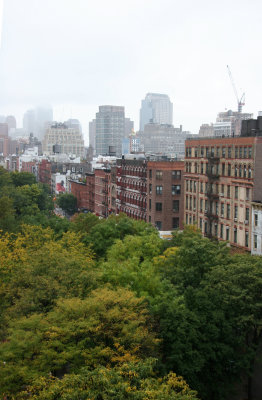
{"points": [[63, 139], [11, 122], [156, 108], [36, 121], [164, 139], [110, 129], [92, 134]]}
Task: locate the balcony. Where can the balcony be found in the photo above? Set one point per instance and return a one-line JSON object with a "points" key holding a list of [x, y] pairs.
{"points": [[213, 175], [212, 195], [211, 216]]}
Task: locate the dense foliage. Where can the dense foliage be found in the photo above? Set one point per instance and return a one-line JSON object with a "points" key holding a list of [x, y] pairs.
{"points": [[105, 309]]}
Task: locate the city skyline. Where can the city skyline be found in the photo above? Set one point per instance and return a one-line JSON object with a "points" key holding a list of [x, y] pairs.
{"points": [[116, 53]]}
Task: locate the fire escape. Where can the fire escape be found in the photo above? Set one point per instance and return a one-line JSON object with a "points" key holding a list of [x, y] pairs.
{"points": [[212, 193]]}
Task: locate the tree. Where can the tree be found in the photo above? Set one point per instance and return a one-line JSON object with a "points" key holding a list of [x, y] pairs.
{"points": [[22, 178], [68, 202], [209, 318], [133, 381], [109, 328]]}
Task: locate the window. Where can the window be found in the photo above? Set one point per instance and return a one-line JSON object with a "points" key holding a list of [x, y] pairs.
{"points": [[240, 152], [227, 233], [255, 241], [202, 151], [247, 194], [216, 208], [205, 227], [222, 209], [200, 223], [176, 174], [159, 189], [202, 168], [228, 191], [187, 219], [186, 202], [250, 152], [240, 171], [175, 205], [229, 152], [201, 187], [150, 188], [235, 170], [229, 170], [149, 204], [176, 189], [175, 224], [215, 229], [158, 225], [194, 203], [236, 192], [228, 211], [150, 174], [223, 169], [222, 189], [255, 219], [195, 186], [235, 235], [159, 175], [246, 239], [187, 185], [158, 206], [249, 172], [221, 231], [191, 182], [236, 152], [245, 152], [201, 205], [223, 152], [247, 214], [245, 171], [235, 212]]}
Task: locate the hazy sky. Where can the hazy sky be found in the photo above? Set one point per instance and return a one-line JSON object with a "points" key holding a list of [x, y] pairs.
{"points": [[78, 54]]}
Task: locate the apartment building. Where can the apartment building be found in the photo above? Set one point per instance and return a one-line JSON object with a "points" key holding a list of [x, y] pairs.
{"points": [[132, 187], [222, 177], [165, 188]]}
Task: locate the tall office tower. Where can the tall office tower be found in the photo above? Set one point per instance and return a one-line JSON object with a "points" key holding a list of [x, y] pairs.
{"points": [[92, 134], [156, 108], [129, 127], [36, 120], [110, 130], [74, 123], [63, 139], [11, 122]]}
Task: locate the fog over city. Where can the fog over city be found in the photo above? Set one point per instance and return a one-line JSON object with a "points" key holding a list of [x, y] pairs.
{"points": [[79, 54]]}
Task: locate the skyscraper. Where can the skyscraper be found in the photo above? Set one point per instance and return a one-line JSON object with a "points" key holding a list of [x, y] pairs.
{"points": [[111, 127], [36, 121], [156, 108]]}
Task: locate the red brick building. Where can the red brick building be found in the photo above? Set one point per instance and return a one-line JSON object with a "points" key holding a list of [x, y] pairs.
{"points": [[165, 194], [222, 177], [102, 183], [132, 188], [44, 172]]}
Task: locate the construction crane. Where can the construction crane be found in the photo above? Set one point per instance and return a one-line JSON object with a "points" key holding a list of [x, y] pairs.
{"points": [[241, 101]]}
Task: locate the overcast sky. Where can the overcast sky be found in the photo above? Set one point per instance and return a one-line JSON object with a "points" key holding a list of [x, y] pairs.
{"points": [[78, 54]]}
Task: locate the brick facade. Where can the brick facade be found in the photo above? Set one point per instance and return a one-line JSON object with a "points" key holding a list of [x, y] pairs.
{"points": [[222, 177], [165, 194]]}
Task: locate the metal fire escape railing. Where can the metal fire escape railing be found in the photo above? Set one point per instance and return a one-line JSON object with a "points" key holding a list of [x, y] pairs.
{"points": [[211, 192]]}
